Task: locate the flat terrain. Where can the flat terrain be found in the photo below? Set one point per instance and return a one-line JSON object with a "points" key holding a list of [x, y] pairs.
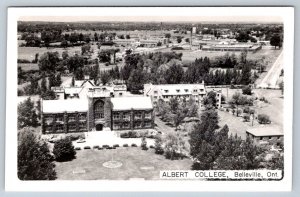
{"points": [[136, 163], [274, 109]]}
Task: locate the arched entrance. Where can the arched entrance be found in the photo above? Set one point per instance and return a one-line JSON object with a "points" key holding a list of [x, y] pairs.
{"points": [[99, 127]]}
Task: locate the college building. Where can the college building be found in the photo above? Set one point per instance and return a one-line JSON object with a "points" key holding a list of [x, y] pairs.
{"points": [[93, 108], [179, 91]]}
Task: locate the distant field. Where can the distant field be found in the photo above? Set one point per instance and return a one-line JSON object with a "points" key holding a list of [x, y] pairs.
{"points": [[28, 66]]}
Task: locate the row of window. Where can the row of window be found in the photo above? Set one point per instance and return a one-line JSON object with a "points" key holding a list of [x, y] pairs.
{"points": [[178, 91], [126, 116], [126, 125], [60, 118], [60, 128]]}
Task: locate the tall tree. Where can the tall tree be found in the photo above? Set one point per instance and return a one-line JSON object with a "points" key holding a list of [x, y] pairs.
{"points": [[34, 159], [27, 116]]}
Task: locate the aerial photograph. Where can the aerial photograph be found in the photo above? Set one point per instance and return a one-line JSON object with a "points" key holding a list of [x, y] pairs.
{"points": [[124, 98]]}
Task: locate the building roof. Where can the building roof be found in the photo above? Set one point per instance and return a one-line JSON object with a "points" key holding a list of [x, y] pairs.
{"points": [[69, 105], [265, 131], [127, 103], [178, 89]]}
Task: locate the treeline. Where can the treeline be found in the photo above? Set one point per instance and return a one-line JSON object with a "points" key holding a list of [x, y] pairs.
{"points": [[167, 68]]}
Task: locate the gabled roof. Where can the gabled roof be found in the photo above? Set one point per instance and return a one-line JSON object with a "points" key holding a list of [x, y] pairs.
{"points": [[127, 103], [80, 83], [60, 106]]}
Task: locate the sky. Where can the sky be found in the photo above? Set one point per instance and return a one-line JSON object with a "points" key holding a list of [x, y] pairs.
{"points": [[217, 19]]}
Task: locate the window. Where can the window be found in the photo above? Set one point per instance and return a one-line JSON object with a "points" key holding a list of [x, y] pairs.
{"points": [[126, 116], [71, 118], [99, 109], [59, 119], [116, 126], [120, 93], [138, 115], [186, 90], [155, 97], [177, 90], [59, 128], [48, 120], [126, 125], [201, 90], [99, 115], [82, 126], [195, 90], [82, 117], [148, 124], [116, 116], [48, 129], [155, 92], [72, 127], [261, 138], [137, 125], [148, 115], [166, 91]]}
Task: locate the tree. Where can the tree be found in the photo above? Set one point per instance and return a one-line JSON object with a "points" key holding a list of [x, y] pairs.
{"points": [[210, 100], [246, 74], [281, 87], [58, 80], [276, 41], [34, 159], [104, 55], [247, 90], [179, 39], [158, 146], [174, 74], [174, 146], [105, 77], [187, 40], [64, 44], [63, 150], [48, 61], [75, 62], [27, 116], [263, 119], [136, 81], [85, 49], [43, 85], [144, 144]]}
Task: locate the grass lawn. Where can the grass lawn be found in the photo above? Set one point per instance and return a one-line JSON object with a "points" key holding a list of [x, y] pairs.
{"points": [[274, 109], [137, 163]]}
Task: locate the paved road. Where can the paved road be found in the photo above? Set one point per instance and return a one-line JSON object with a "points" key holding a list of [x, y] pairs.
{"points": [[272, 76]]}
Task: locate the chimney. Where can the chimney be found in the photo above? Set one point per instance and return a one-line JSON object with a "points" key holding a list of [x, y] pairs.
{"points": [[86, 77]]}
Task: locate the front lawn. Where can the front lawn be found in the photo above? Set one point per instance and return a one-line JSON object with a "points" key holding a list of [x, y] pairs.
{"points": [[137, 163]]}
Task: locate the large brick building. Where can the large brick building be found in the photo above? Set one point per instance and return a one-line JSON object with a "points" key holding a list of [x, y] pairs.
{"points": [[86, 107]]}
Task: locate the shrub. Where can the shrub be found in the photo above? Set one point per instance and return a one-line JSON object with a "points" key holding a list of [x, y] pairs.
{"points": [[263, 99], [64, 150], [227, 110], [144, 144], [125, 145], [247, 90], [87, 147], [133, 145], [96, 147], [158, 146], [246, 118], [77, 148], [263, 119], [105, 146], [151, 146], [246, 110], [130, 134], [233, 111], [116, 145]]}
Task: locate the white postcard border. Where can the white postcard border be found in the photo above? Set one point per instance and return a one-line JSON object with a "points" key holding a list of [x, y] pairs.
{"points": [[12, 183]]}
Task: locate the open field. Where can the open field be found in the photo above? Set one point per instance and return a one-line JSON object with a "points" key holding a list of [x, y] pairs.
{"points": [[136, 163], [28, 66]]}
